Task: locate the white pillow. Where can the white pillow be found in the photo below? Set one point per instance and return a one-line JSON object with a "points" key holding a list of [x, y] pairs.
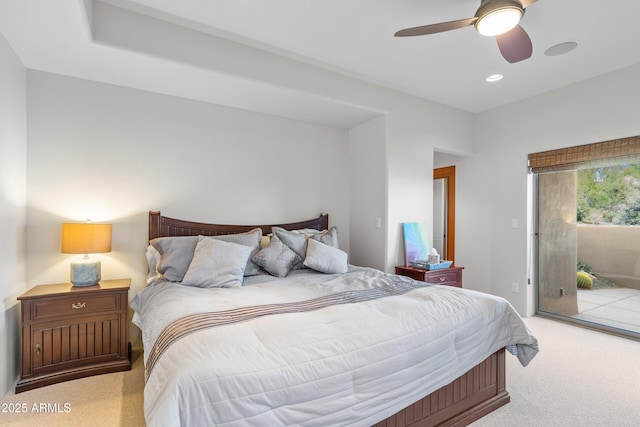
{"points": [[325, 258], [153, 259], [217, 264]]}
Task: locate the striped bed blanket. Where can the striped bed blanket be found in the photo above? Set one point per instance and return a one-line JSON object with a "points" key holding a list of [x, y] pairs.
{"points": [[195, 322]]}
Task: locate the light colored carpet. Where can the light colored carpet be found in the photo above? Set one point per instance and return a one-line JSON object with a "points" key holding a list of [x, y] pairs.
{"points": [[580, 378], [108, 400]]}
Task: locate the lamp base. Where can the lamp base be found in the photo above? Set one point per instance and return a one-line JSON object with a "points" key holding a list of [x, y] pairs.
{"points": [[85, 272]]}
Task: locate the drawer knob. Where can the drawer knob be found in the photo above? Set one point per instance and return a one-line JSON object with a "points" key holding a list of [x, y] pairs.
{"points": [[78, 305], [442, 278]]}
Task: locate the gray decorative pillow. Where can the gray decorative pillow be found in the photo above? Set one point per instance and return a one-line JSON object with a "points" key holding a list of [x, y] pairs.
{"points": [[175, 255], [250, 238], [176, 252], [217, 264], [325, 258], [277, 258], [328, 237], [297, 240]]}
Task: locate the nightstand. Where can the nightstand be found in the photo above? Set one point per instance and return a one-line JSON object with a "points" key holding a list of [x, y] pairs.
{"points": [[451, 276], [73, 332]]}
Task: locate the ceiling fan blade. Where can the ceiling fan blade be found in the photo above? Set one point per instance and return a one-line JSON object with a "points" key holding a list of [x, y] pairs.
{"points": [[435, 28], [515, 45], [527, 3]]}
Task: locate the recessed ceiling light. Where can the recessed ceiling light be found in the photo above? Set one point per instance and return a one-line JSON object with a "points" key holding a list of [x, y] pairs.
{"points": [[561, 48], [494, 77]]}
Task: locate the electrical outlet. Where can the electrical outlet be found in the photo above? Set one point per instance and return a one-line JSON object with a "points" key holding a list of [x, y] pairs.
{"points": [[515, 288]]}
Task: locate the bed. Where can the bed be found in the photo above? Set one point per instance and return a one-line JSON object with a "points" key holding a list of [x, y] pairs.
{"points": [[314, 342]]}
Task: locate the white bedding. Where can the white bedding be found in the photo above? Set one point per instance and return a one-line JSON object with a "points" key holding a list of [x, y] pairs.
{"points": [[351, 364]]}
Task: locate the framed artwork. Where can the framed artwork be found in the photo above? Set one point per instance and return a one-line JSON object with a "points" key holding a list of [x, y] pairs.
{"points": [[416, 243]]}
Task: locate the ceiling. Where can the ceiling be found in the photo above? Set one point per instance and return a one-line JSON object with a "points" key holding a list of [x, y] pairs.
{"points": [[353, 37]]}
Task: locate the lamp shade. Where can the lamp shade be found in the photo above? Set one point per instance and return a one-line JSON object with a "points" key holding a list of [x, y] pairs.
{"points": [[86, 238]]}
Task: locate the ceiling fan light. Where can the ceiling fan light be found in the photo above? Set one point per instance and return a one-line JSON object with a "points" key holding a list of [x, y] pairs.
{"points": [[499, 21]]}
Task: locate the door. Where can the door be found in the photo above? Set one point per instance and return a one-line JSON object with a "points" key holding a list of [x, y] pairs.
{"points": [[444, 212]]}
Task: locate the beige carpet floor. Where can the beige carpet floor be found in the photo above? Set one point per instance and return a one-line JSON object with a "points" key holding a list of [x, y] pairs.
{"points": [[580, 378], [108, 400]]}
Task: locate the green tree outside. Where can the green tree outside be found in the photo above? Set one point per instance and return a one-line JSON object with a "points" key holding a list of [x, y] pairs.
{"points": [[609, 195]]}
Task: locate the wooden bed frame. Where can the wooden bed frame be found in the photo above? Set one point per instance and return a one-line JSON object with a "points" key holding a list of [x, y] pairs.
{"points": [[162, 226], [469, 397]]}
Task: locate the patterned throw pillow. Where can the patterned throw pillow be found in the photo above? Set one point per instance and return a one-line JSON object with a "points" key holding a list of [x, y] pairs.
{"points": [[297, 240], [277, 258]]}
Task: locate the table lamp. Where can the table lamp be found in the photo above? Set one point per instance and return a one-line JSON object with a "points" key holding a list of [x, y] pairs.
{"points": [[85, 238]]}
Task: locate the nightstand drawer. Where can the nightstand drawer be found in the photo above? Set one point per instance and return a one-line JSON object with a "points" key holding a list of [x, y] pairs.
{"points": [[447, 276], [75, 305], [444, 277]]}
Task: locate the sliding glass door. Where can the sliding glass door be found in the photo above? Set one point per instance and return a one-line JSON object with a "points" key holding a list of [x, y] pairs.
{"points": [[587, 235]]}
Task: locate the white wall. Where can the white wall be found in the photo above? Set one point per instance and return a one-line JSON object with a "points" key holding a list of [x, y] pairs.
{"points": [[414, 131], [368, 193], [271, 83], [111, 154], [13, 193], [491, 185]]}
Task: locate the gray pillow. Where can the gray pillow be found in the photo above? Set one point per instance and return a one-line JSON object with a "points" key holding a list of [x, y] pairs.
{"points": [[176, 252], [277, 258], [250, 238], [297, 240], [217, 264], [175, 255], [328, 237], [325, 258]]}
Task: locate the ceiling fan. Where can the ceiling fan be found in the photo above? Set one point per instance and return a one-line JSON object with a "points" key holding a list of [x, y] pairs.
{"points": [[499, 18]]}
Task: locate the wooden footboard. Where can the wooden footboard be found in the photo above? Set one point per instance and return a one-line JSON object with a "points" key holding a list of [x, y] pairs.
{"points": [[468, 398]]}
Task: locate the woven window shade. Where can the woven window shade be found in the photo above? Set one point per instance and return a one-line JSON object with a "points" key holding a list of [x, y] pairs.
{"points": [[617, 151]]}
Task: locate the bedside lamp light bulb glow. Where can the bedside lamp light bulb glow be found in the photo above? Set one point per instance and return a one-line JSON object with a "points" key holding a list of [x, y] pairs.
{"points": [[85, 238]]}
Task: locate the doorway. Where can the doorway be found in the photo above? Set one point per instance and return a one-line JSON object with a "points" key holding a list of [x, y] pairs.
{"points": [[444, 212]]}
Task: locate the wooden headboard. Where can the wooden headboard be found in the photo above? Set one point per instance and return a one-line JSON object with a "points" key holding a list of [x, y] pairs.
{"points": [[162, 226]]}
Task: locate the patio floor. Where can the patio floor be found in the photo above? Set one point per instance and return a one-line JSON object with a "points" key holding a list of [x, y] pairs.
{"points": [[615, 307]]}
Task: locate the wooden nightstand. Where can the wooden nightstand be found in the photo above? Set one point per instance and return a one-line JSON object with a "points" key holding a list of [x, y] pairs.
{"points": [[73, 332], [451, 276]]}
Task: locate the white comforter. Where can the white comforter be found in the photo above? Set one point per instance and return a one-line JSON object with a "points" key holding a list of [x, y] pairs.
{"points": [[351, 364]]}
